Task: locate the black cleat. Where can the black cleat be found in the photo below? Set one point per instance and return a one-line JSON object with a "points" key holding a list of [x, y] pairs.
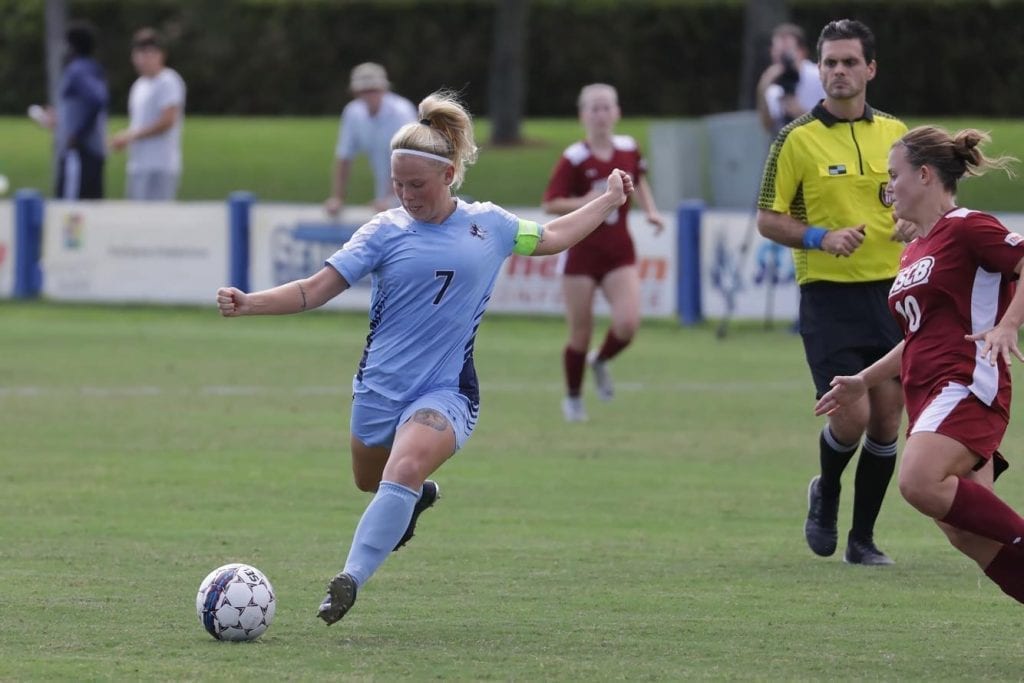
{"points": [[431, 493], [864, 551], [820, 527], [341, 595]]}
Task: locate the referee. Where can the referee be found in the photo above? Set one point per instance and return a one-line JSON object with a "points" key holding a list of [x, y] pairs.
{"points": [[823, 195]]}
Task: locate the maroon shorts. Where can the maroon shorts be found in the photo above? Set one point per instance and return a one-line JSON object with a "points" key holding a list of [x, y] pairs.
{"points": [[596, 263], [955, 412]]}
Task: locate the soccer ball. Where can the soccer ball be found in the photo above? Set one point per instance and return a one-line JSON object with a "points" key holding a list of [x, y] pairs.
{"points": [[235, 602]]}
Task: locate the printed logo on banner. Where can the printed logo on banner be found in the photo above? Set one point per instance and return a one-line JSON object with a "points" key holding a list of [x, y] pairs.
{"points": [[300, 250], [772, 267], [534, 283], [72, 230]]}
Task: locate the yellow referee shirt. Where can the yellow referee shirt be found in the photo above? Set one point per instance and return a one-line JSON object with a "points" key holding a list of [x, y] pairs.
{"points": [[832, 174]]}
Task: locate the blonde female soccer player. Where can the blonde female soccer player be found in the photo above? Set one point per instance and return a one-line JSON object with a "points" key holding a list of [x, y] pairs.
{"points": [[433, 263]]}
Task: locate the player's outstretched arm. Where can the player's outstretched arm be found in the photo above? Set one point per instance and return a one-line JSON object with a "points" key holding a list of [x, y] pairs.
{"points": [[291, 297], [848, 389], [567, 230], [1001, 341]]}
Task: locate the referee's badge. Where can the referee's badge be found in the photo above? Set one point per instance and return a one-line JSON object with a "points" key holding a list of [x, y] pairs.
{"points": [[884, 195]]}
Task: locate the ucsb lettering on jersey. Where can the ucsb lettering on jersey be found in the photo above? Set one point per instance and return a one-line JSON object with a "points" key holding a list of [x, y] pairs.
{"points": [[915, 274]]}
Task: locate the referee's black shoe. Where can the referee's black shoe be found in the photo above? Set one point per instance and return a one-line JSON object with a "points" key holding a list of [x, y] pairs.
{"points": [[430, 495], [864, 551], [820, 527]]}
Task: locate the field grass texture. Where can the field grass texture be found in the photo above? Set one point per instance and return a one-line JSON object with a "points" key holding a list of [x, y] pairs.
{"points": [[290, 159], [143, 447]]}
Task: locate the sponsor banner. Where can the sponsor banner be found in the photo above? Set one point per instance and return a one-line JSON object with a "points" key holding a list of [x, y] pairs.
{"points": [[530, 284], [135, 251], [742, 273], [6, 249], [755, 276], [293, 241]]}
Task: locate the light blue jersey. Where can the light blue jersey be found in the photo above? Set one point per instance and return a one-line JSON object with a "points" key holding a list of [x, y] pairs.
{"points": [[431, 285]]}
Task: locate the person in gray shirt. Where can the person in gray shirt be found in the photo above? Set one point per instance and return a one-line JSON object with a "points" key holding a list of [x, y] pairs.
{"points": [[156, 110]]}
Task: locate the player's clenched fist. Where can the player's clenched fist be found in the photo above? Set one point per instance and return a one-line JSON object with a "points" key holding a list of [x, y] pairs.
{"points": [[232, 302]]}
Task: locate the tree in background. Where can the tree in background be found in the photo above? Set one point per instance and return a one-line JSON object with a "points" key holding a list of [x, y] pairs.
{"points": [[506, 91], [56, 26], [759, 18]]}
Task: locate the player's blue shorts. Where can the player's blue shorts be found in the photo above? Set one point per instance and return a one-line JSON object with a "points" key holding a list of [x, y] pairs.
{"points": [[376, 418]]}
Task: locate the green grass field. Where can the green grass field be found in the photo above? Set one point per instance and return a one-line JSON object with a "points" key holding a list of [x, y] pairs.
{"points": [[143, 447], [289, 159]]}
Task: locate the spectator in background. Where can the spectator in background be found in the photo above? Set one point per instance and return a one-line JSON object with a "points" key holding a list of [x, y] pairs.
{"points": [[156, 111], [81, 119], [367, 124], [791, 85], [605, 259]]}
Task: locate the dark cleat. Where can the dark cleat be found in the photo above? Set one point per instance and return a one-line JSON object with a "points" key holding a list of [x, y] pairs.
{"points": [[341, 595], [431, 494], [820, 527], [864, 551]]}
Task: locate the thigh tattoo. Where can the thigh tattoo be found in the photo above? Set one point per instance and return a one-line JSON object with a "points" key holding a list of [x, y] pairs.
{"points": [[430, 418]]}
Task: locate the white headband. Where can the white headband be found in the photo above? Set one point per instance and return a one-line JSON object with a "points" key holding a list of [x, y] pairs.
{"points": [[425, 155]]}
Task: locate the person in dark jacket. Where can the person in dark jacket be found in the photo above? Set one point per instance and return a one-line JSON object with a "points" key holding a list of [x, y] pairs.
{"points": [[81, 119]]}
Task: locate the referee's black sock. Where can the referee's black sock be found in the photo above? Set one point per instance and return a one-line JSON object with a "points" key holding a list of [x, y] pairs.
{"points": [[874, 470], [834, 458]]}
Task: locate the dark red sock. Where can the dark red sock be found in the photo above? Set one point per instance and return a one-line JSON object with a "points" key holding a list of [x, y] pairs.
{"points": [[611, 346], [1007, 571], [980, 511], [574, 362]]}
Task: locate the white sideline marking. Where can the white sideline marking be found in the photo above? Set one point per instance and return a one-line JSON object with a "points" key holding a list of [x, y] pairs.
{"points": [[142, 391]]}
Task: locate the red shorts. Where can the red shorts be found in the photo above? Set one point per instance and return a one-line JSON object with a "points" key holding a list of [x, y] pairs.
{"points": [[596, 263], [955, 412]]}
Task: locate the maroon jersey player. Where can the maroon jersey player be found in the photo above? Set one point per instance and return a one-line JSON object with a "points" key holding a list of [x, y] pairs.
{"points": [[958, 301], [606, 259]]}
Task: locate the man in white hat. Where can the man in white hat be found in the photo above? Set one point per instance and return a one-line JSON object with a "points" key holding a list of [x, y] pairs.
{"points": [[367, 124]]}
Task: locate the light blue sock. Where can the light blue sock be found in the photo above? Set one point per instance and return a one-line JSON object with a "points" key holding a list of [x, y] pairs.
{"points": [[381, 527]]}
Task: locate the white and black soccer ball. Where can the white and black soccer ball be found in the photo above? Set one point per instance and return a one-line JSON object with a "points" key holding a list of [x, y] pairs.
{"points": [[235, 602]]}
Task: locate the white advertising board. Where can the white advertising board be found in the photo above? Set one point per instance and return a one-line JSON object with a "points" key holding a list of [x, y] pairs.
{"points": [[760, 278], [737, 264], [6, 249], [135, 251], [290, 241]]}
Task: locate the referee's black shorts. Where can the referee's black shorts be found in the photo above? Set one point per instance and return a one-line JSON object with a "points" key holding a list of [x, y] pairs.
{"points": [[846, 326]]}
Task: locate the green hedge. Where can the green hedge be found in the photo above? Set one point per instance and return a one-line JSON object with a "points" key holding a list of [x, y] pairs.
{"points": [[936, 57]]}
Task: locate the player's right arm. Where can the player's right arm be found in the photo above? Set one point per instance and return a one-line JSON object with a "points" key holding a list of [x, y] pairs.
{"points": [[292, 297], [846, 390]]}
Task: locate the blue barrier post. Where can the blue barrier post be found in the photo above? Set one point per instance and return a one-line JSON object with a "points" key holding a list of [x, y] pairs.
{"points": [[28, 244], [239, 214], [688, 299]]}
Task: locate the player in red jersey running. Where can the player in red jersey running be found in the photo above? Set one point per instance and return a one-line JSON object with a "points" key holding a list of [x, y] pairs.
{"points": [[606, 258], [957, 300]]}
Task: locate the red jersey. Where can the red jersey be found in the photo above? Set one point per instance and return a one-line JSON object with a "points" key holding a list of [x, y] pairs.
{"points": [[956, 280], [578, 172]]}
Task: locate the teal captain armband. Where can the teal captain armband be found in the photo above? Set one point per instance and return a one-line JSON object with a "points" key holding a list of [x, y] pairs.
{"points": [[813, 237], [527, 238]]}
